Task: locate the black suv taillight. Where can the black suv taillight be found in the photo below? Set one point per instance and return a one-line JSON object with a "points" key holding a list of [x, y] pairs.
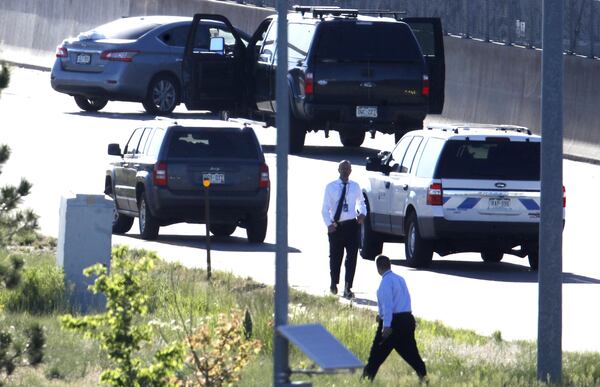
{"points": [[159, 174], [309, 86], [264, 176], [425, 85]]}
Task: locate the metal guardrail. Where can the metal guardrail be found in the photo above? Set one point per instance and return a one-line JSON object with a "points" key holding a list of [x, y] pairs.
{"points": [[511, 22]]}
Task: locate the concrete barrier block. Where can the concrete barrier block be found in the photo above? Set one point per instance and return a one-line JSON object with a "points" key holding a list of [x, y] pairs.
{"points": [[84, 239]]}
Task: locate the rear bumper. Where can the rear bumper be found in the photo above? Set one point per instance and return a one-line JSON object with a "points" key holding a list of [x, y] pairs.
{"points": [[341, 116], [440, 228], [171, 208]]}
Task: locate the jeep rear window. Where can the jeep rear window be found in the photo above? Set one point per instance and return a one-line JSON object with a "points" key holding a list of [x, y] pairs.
{"points": [[212, 144], [486, 160], [359, 41]]}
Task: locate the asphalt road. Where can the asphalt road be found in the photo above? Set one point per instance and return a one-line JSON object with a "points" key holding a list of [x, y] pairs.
{"points": [[62, 151]]}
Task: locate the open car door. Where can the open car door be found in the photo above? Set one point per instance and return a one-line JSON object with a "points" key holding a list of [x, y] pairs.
{"points": [[428, 31], [213, 69]]}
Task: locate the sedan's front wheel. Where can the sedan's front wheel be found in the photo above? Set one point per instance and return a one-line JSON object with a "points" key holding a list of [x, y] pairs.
{"points": [[90, 104], [162, 96]]}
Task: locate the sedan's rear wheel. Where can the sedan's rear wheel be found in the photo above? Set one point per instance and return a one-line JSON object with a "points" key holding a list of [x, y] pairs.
{"points": [[92, 104], [162, 96], [149, 226], [222, 230]]}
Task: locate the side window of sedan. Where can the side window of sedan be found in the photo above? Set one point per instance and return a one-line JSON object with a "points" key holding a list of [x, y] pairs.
{"points": [[175, 37]]}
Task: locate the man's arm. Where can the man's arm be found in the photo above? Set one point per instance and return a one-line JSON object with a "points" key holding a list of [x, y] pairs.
{"points": [[326, 212]]}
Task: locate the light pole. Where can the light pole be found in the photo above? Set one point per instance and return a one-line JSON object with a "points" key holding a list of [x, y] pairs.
{"points": [[206, 184]]}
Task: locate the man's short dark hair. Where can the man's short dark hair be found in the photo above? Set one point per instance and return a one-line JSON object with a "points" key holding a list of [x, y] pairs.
{"points": [[383, 262]]}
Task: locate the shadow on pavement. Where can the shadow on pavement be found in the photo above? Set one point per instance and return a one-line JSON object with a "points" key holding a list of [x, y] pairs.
{"points": [[363, 302], [231, 243], [500, 272], [357, 156]]}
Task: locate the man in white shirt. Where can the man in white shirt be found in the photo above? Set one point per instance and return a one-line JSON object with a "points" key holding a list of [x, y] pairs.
{"points": [[396, 324], [343, 211]]}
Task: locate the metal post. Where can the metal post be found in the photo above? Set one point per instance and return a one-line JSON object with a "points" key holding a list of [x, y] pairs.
{"points": [[468, 20], [591, 54], [206, 184], [487, 20], [281, 371], [549, 367]]}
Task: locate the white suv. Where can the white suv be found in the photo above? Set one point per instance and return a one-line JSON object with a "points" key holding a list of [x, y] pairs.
{"points": [[456, 189]]}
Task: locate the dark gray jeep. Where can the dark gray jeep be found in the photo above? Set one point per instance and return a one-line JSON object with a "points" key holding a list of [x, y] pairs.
{"points": [[159, 178]]}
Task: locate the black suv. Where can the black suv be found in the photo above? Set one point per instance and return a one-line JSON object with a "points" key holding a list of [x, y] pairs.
{"points": [[159, 178], [348, 71]]}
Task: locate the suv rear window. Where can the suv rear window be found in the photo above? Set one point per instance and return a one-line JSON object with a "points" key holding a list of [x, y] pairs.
{"points": [[362, 41], [212, 144], [487, 160]]}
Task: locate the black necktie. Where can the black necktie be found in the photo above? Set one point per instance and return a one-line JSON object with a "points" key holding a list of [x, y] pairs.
{"points": [[338, 210]]}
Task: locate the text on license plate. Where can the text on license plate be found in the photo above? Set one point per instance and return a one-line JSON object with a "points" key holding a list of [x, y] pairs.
{"points": [[84, 59], [498, 203], [215, 178], [366, 111]]}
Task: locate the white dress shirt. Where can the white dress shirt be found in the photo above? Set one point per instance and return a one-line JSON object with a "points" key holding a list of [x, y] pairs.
{"points": [[353, 198], [392, 297]]}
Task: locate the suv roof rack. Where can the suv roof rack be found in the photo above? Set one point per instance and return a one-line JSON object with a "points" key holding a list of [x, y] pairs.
{"points": [[456, 127], [382, 13], [320, 11]]}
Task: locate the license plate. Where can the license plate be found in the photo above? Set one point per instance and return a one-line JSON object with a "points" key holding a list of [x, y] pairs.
{"points": [[499, 203], [215, 178], [83, 59], [366, 111]]}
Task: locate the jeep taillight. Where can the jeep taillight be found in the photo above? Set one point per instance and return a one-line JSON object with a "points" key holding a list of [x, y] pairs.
{"points": [[435, 195], [564, 197], [425, 85], [159, 174], [264, 176], [308, 84]]}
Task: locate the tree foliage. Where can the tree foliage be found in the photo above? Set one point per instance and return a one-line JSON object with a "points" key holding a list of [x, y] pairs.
{"points": [[119, 330], [13, 354]]}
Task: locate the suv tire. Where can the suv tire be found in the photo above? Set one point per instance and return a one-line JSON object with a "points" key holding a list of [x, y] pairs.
{"points": [[492, 255], [533, 256], [256, 229], [417, 251], [352, 138], [121, 223], [222, 230], [148, 224], [90, 104], [371, 243], [162, 96], [297, 135]]}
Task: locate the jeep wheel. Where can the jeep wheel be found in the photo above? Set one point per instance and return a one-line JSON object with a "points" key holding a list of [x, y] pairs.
{"points": [[371, 243], [162, 96], [222, 230], [533, 256], [148, 224], [297, 135], [256, 229], [90, 104], [121, 223], [417, 251], [352, 139], [492, 255]]}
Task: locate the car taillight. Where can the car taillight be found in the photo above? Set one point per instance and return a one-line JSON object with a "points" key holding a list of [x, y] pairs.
{"points": [[308, 84], [564, 197], [435, 195], [264, 176], [119, 55], [425, 86], [61, 52], [159, 174]]}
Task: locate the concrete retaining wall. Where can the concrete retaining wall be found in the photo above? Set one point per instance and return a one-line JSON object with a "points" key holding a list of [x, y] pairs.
{"points": [[485, 82]]}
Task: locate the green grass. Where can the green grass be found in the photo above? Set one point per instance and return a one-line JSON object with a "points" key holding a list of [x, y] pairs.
{"points": [[453, 357]]}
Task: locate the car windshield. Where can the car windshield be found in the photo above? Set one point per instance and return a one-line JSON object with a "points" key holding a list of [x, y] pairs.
{"points": [[212, 144], [487, 160], [125, 28], [360, 41]]}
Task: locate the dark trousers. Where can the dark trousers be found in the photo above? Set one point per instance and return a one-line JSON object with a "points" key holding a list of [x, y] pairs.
{"points": [[344, 237], [402, 340]]}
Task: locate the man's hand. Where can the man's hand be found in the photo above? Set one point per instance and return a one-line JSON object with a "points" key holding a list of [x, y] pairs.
{"points": [[331, 228], [360, 219], [386, 332]]}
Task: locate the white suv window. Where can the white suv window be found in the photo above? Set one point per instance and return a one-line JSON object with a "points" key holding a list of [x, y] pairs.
{"points": [[429, 158], [398, 154], [410, 154]]}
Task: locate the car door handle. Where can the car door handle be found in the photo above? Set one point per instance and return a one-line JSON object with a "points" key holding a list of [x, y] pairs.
{"points": [[405, 187], [137, 166], [387, 184], [178, 59], [125, 165]]}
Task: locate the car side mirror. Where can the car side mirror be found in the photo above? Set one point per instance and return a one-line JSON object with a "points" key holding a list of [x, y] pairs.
{"points": [[217, 45], [114, 150]]}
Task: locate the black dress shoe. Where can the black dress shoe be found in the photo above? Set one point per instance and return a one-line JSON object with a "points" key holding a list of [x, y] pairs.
{"points": [[348, 294], [333, 289]]}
